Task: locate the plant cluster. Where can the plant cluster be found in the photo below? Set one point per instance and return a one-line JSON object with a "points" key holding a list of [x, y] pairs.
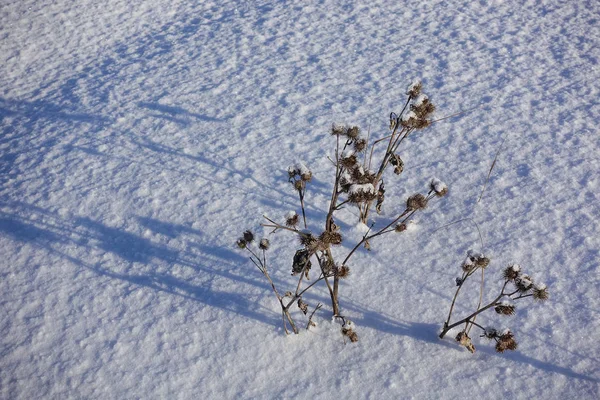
{"points": [[357, 181], [516, 286]]}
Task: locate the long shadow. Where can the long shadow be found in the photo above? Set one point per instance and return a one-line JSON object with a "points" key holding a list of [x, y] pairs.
{"points": [[178, 114], [50, 232]]}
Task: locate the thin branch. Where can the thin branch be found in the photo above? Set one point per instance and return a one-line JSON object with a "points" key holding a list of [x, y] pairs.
{"points": [[490, 171]]}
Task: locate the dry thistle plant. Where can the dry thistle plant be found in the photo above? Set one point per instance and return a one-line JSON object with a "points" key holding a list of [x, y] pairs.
{"points": [[354, 183], [521, 286]]}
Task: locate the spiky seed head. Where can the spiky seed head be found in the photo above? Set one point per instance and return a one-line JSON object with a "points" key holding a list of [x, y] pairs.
{"points": [[506, 341], [241, 243], [510, 273], [482, 262], [353, 132], [523, 283], [349, 162], [438, 187], [505, 309], [306, 176], [360, 145], [264, 244], [400, 227], [334, 238], [342, 272], [416, 202], [540, 292], [414, 89], [299, 185], [337, 130], [248, 236], [291, 219], [307, 239]]}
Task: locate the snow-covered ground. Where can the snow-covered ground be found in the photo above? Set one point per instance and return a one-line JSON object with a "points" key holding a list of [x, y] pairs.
{"points": [[140, 138]]}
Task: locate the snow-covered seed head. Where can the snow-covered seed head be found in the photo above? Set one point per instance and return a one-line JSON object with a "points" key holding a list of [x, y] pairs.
{"points": [[360, 145], [438, 187], [400, 227], [342, 272], [241, 243], [540, 292], [248, 236], [349, 161], [511, 272], [414, 89], [307, 239], [416, 202], [523, 283], [264, 244], [353, 132], [505, 309], [482, 261], [334, 238], [337, 129], [291, 219], [350, 334]]}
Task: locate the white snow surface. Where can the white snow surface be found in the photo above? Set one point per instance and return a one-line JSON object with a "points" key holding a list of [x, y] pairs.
{"points": [[139, 139]]}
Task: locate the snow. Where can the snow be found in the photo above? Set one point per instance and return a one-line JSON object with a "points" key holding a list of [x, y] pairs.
{"points": [[361, 188], [140, 139]]}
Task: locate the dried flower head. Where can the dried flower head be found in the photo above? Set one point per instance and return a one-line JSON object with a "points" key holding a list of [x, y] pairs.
{"points": [[307, 239], [360, 145], [465, 340], [337, 130], [506, 341], [248, 236], [400, 227], [523, 283], [511, 272], [505, 309], [349, 161], [342, 272], [353, 132], [540, 292], [264, 244], [350, 334], [241, 243], [334, 238], [474, 260], [291, 219], [416, 202], [438, 187], [414, 89], [359, 193]]}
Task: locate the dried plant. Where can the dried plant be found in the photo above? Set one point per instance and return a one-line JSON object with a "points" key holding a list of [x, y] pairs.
{"points": [[354, 183], [516, 286]]}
